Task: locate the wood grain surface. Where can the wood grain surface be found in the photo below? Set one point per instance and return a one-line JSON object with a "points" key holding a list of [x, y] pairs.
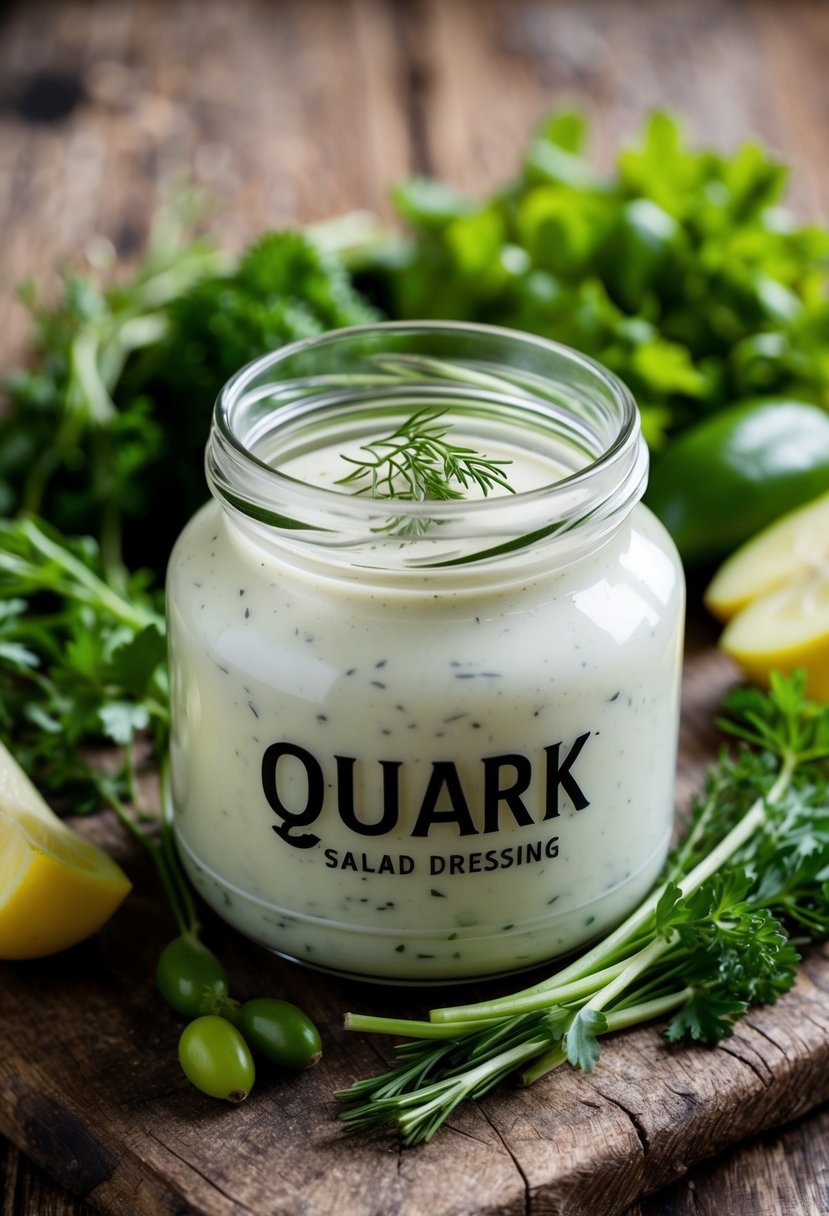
{"points": [[292, 111]]}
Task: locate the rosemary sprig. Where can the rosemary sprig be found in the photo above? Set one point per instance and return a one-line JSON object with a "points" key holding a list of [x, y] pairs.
{"points": [[416, 463]]}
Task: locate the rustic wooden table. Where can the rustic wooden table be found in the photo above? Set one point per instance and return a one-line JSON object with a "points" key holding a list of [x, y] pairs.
{"points": [[295, 110]]}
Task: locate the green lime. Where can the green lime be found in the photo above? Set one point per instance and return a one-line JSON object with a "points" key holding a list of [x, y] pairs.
{"points": [[734, 473]]}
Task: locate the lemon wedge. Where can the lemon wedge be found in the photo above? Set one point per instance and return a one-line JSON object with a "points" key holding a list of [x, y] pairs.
{"points": [[55, 887], [784, 630], [774, 594], [795, 549]]}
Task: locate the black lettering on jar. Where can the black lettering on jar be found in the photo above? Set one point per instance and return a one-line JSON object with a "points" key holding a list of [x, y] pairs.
{"points": [[444, 774], [560, 777], [495, 793], [391, 797], [314, 798]]}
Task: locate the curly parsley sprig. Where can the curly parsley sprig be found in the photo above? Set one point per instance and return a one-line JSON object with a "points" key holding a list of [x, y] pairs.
{"points": [[710, 941]]}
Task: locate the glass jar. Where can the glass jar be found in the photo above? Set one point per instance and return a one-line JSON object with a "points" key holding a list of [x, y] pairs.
{"points": [[424, 740]]}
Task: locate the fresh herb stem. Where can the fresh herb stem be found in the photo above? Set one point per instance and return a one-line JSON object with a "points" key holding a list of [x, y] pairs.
{"points": [[74, 581], [34, 488], [646, 1011], [530, 1000], [693, 838], [112, 557], [572, 980], [169, 845], [368, 1024], [419, 1114], [637, 965], [753, 821], [159, 857], [160, 848], [622, 1019]]}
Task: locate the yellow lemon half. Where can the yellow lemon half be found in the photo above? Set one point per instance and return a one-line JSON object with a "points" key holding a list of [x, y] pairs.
{"points": [[787, 552], [785, 629], [55, 887]]}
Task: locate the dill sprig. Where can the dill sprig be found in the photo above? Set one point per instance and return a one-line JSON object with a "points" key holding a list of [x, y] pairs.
{"points": [[416, 463]]}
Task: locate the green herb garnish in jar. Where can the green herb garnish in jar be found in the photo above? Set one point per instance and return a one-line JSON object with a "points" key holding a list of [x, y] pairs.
{"points": [[417, 463]]}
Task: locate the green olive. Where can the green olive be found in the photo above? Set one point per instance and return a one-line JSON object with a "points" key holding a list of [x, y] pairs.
{"points": [[216, 1058], [188, 975], [279, 1031]]}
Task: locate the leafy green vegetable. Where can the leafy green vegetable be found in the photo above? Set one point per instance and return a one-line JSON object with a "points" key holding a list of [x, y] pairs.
{"points": [[710, 941], [68, 451], [284, 288], [105, 433], [679, 270], [80, 664]]}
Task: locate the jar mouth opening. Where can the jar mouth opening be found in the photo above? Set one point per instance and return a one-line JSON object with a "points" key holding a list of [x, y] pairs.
{"points": [[364, 376], [251, 382]]}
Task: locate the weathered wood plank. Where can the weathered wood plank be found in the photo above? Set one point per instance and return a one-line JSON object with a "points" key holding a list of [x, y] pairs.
{"points": [[99, 120], [733, 70], [785, 1173], [25, 1189]]}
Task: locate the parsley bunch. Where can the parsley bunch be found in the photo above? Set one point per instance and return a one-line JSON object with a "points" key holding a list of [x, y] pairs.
{"points": [[713, 939], [74, 448]]}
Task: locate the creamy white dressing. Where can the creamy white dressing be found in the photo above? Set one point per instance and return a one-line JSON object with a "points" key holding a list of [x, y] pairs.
{"points": [[453, 774]]}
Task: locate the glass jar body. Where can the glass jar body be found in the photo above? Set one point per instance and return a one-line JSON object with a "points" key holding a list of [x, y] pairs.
{"points": [[437, 778]]}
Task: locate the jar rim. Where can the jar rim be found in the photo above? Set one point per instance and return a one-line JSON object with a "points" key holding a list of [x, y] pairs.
{"points": [[608, 484]]}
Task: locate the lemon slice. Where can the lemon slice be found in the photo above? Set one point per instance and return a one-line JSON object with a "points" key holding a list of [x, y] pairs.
{"points": [[786, 629], [788, 551], [55, 887]]}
